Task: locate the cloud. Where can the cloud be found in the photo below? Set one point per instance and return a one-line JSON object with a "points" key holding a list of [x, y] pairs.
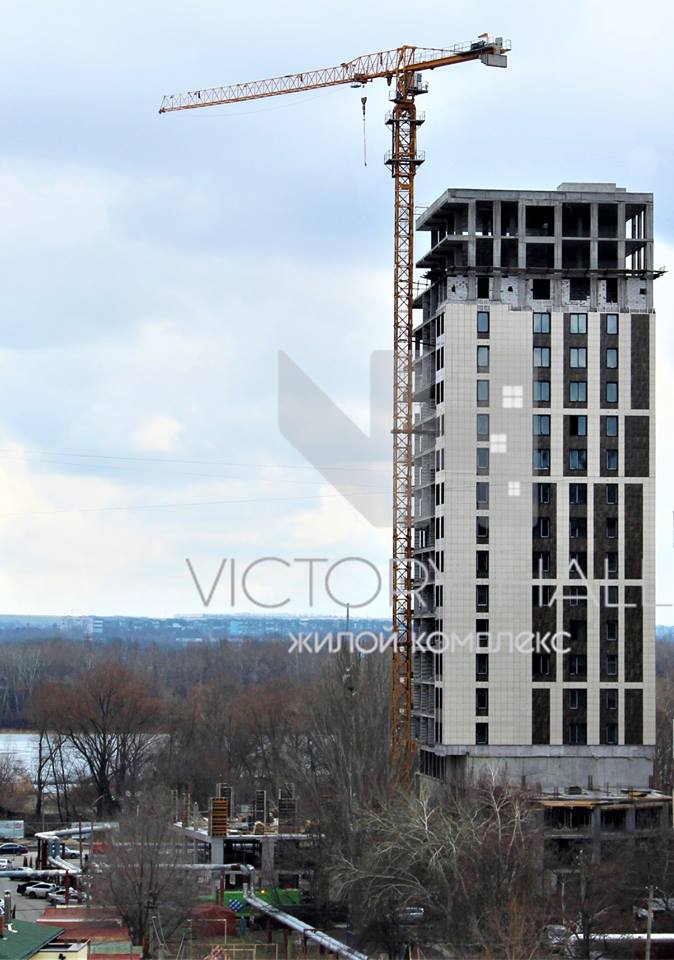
{"points": [[158, 434]]}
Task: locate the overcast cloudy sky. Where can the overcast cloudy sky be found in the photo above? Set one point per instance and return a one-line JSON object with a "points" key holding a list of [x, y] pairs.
{"points": [[154, 266]]}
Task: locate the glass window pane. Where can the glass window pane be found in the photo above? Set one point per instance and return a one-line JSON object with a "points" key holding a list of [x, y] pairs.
{"points": [[482, 321]]}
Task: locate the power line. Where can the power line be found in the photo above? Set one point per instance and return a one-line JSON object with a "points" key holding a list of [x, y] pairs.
{"points": [[162, 506]]}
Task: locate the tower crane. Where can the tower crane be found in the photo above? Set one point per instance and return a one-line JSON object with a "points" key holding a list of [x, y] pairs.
{"points": [[402, 69]]}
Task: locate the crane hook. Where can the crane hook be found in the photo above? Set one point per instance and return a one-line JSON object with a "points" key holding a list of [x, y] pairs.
{"points": [[363, 101]]}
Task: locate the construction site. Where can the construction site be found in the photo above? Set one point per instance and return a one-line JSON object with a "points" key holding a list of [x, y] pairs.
{"points": [[494, 778]]}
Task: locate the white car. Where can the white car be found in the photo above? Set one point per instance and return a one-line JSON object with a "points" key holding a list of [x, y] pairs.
{"points": [[40, 890], [58, 896], [5, 864]]}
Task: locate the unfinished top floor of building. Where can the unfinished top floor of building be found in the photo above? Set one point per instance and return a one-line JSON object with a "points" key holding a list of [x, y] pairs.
{"points": [[589, 244]]}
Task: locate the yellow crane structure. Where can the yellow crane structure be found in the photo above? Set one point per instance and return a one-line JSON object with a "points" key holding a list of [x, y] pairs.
{"points": [[402, 68]]}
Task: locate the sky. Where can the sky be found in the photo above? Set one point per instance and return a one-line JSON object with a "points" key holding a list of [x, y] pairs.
{"points": [[154, 266]]}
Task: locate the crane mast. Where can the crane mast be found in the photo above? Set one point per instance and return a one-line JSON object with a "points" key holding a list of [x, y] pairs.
{"points": [[401, 67]]}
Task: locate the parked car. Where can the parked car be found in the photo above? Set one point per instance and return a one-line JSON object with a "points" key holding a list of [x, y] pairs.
{"points": [[13, 848], [58, 896], [40, 890], [5, 864], [70, 854]]}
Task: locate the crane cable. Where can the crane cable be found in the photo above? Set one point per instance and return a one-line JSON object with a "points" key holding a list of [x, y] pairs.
{"points": [[363, 101]]}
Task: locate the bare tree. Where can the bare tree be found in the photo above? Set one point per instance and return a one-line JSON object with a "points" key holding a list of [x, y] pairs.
{"points": [[107, 718], [342, 768], [469, 861], [143, 874]]}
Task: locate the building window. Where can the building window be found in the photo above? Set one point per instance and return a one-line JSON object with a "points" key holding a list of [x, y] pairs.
{"points": [[611, 664], [541, 356], [542, 528], [483, 391], [543, 492], [612, 459], [578, 391], [482, 358], [439, 528], [542, 595], [541, 425], [541, 391], [577, 459], [440, 358], [578, 493], [612, 631], [540, 289], [482, 460], [611, 492], [541, 565], [541, 664], [440, 391], [483, 425], [612, 733], [577, 733], [482, 563], [611, 391], [541, 323], [481, 666], [578, 323], [482, 322], [482, 528], [439, 325], [611, 323], [482, 632], [481, 495], [612, 596], [481, 733], [577, 664], [578, 357], [612, 358], [611, 564], [611, 528], [577, 564], [611, 699], [542, 459], [578, 528], [481, 702], [574, 699], [578, 426], [611, 426], [482, 596]]}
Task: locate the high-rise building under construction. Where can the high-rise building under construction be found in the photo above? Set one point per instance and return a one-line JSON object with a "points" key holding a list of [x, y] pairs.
{"points": [[534, 492]]}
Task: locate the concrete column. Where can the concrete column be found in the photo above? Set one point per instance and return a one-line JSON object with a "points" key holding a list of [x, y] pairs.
{"points": [[558, 236], [496, 230], [594, 233], [594, 293], [596, 834], [521, 232], [267, 865], [472, 227]]}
